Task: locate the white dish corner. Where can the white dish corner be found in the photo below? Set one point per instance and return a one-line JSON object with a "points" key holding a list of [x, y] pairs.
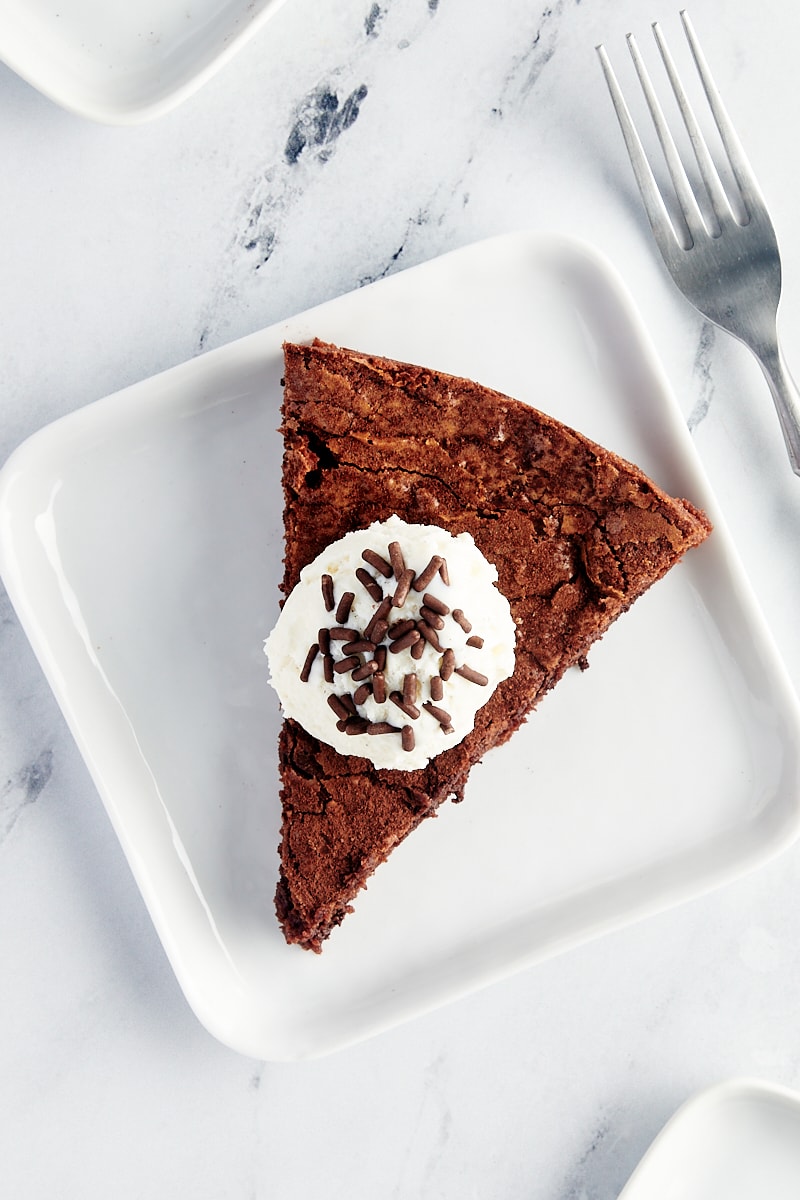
{"points": [[737, 1140], [122, 63]]}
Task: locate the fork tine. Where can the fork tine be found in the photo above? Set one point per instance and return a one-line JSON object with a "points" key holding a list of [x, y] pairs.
{"points": [[708, 171], [655, 207], [683, 190], [743, 172]]}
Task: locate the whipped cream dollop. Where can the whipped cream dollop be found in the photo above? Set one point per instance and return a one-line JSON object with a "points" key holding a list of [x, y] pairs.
{"points": [[393, 638]]}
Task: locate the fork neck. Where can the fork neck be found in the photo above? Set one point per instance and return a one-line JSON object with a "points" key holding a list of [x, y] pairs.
{"points": [[785, 395]]}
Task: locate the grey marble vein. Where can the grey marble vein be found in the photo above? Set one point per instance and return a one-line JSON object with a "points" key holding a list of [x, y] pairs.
{"points": [[321, 119], [7, 616], [433, 1129], [701, 371], [539, 47], [23, 789], [403, 255], [373, 19], [590, 1176]]}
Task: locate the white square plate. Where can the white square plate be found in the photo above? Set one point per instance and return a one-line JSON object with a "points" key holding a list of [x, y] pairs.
{"points": [[123, 61], [737, 1141], [141, 543]]}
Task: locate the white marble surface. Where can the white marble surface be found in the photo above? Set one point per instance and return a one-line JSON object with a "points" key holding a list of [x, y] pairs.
{"points": [[126, 250]]}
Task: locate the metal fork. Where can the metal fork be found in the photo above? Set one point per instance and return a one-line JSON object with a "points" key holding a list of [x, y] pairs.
{"points": [[728, 266]]}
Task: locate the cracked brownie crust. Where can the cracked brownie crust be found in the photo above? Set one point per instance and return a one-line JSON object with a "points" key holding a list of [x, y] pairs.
{"points": [[576, 533]]}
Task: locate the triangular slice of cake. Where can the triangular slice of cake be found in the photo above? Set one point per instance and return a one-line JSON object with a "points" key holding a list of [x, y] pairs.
{"points": [[575, 532]]}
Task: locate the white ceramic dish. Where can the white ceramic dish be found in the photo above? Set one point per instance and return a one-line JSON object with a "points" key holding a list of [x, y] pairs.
{"points": [[739, 1140], [141, 543], [124, 62]]}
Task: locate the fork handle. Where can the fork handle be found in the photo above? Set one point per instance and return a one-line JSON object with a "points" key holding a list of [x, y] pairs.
{"points": [[787, 400]]}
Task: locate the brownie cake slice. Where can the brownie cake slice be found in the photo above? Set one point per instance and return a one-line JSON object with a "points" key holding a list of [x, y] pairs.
{"points": [[576, 534]]}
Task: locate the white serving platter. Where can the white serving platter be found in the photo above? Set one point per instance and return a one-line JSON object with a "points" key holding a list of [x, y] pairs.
{"points": [[739, 1140], [120, 61], [141, 544]]}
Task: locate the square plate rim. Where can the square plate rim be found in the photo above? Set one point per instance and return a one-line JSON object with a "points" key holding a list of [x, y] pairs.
{"points": [[51, 440]]}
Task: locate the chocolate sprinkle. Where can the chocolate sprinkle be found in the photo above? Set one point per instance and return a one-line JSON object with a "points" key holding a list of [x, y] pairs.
{"points": [[408, 737], [362, 646], [410, 710], [436, 604], [441, 716], [404, 585], [347, 664], [377, 727], [403, 643], [377, 619], [344, 606], [444, 573], [312, 654], [379, 687], [432, 617], [380, 657], [400, 627], [410, 688], [378, 562], [363, 693], [475, 641], [422, 581], [437, 687], [378, 630], [356, 725], [339, 707], [327, 668], [418, 649], [324, 639], [448, 664], [473, 676], [460, 619], [429, 634], [396, 558], [370, 583], [338, 634], [327, 592], [369, 668]]}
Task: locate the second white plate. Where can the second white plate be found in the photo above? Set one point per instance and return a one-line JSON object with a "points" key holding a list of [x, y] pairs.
{"points": [[124, 62], [141, 543], [739, 1140]]}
